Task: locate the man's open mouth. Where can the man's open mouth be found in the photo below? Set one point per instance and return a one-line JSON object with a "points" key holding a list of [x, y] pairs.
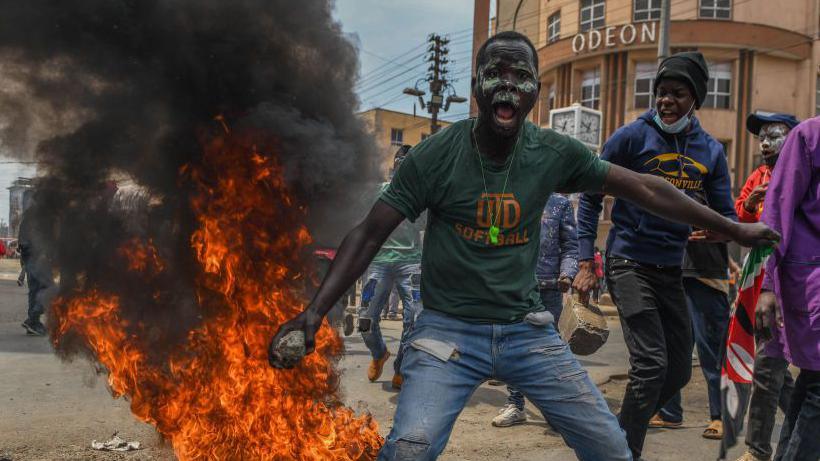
{"points": [[504, 113], [669, 117]]}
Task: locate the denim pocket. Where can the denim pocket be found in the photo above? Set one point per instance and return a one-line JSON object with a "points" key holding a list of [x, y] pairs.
{"points": [[540, 319], [441, 350]]}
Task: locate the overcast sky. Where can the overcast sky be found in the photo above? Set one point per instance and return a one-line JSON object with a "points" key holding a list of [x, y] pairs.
{"points": [[391, 36]]}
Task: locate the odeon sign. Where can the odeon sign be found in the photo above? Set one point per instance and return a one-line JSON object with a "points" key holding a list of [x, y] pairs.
{"points": [[608, 37]]}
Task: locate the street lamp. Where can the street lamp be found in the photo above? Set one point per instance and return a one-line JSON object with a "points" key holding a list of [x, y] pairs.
{"points": [[415, 92], [453, 98]]}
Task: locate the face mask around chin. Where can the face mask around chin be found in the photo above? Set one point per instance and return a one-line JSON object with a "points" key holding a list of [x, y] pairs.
{"points": [[676, 127]]}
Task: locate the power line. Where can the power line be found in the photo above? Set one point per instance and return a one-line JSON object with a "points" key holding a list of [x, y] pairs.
{"points": [[374, 77]]}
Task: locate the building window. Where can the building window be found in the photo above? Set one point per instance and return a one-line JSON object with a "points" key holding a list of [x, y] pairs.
{"points": [[593, 14], [817, 97], [396, 137], [591, 89], [646, 10], [716, 9], [644, 78], [554, 27], [719, 88]]}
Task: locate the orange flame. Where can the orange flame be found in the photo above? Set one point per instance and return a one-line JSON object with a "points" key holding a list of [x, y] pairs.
{"points": [[216, 398]]}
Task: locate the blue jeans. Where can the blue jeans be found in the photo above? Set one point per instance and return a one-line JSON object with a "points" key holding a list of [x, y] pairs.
{"points": [[449, 358], [39, 289], [709, 309], [554, 302], [381, 277]]}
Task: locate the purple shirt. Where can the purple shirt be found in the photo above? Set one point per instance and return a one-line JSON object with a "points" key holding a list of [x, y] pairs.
{"points": [[792, 207]]}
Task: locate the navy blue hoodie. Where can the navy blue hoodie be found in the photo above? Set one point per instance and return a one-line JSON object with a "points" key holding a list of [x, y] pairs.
{"points": [[693, 161]]}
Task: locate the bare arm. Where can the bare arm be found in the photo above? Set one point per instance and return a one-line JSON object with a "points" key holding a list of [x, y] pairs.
{"points": [[663, 199], [355, 253]]}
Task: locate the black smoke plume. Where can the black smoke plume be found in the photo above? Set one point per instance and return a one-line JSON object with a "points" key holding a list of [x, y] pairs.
{"points": [[112, 89]]}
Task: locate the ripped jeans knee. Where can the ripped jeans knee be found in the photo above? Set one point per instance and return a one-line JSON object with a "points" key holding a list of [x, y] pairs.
{"points": [[364, 325], [413, 447]]}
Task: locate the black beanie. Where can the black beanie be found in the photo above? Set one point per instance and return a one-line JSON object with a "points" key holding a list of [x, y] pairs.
{"points": [[689, 67]]}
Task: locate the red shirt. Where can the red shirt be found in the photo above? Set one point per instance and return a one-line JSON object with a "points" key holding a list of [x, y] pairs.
{"points": [[759, 176]]}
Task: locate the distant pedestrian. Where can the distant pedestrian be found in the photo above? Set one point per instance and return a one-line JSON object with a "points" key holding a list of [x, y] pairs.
{"points": [[34, 259], [2, 249], [395, 265], [556, 267]]}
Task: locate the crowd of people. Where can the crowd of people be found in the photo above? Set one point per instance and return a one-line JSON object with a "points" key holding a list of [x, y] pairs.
{"points": [[501, 246]]}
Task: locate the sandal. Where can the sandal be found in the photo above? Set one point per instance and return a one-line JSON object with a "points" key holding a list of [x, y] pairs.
{"points": [[657, 421], [714, 431]]}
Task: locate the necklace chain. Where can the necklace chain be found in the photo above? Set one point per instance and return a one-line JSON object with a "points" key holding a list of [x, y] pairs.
{"points": [[494, 216]]}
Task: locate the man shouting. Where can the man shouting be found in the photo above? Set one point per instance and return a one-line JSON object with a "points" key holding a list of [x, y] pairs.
{"points": [[485, 182]]}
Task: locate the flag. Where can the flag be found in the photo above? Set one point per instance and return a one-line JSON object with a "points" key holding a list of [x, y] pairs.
{"points": [[739, 352]]}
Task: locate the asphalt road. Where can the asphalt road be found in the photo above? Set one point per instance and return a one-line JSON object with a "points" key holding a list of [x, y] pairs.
{"points": [[50, 410]]}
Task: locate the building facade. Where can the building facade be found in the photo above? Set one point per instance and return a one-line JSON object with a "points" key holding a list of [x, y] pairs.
{"points": [[763, 55], [393, 129]]}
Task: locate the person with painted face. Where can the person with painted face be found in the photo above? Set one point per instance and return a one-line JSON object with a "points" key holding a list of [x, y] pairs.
{"points": [[484, 183], [395, 265], [773, 383], [771, 130], [645, 250]]}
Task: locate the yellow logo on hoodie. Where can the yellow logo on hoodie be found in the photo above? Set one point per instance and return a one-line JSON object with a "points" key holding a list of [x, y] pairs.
{"points": [[680, 170]]}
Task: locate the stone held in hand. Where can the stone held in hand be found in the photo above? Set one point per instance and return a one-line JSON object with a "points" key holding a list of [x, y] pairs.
{"points": [[289, 350], [583, 326]]}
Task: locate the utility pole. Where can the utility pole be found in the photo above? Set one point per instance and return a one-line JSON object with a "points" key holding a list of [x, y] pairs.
{"points": [[437, 70], [437, 81], [666, 19]]}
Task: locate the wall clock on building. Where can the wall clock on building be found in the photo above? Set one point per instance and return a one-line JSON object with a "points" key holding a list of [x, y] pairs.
{"points": [[582, 123]]}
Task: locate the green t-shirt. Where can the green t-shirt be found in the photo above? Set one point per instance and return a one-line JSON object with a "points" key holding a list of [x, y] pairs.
{"points": [[462, 272], [403, 245]]}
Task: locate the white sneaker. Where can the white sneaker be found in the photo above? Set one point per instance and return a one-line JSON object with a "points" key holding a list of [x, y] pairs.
{"points": [[509, 416]]}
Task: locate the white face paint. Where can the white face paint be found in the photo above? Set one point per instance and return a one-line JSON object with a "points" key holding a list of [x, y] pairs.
{"points": [[772, 136]]}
